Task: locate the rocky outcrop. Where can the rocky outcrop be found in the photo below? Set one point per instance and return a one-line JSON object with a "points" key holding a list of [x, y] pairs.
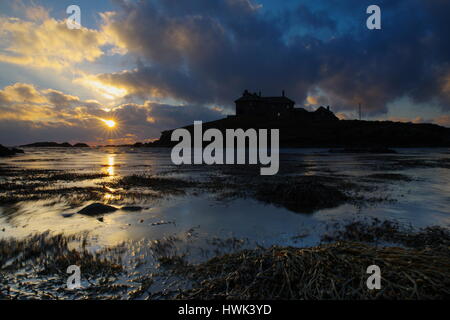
{"points": [[7, 152]]}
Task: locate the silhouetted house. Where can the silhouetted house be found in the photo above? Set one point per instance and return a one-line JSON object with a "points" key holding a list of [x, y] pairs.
{"points": [[257, 106]]}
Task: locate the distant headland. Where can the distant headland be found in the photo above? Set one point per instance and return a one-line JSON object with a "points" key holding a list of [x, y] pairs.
{"points": [[54, 145]]}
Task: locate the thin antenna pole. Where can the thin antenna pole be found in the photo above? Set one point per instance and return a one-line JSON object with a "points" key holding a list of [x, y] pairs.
{"points": [[360, 112]]}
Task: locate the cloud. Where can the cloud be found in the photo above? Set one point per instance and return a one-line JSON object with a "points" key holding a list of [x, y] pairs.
{"points": [[106, 89], [59, 99], [47, 43], [36, 13], [443, 120], [204, 52], [313, 19], [23, 101], [32, 11], [29, 114], [21, 92]]}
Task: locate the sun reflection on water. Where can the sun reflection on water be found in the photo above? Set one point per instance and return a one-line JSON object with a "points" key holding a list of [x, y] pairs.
{"points": [[111, 164], [109, 168]]}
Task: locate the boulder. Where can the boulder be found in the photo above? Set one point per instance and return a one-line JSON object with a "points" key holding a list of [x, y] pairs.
{"points": [[95, 209], [67, 215]]}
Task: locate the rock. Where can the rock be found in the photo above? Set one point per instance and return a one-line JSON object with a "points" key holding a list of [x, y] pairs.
{"points": [[131, 208], [302, 196], [67, 215], [6, 152], [100, 219], [95, 209]]}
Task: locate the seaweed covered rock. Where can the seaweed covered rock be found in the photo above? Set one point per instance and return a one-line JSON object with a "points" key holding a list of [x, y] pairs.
{"points": [[303, 196], [95, 209]]}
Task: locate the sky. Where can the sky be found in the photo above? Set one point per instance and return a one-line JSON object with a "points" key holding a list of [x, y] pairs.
{"points": [[159, 64]]}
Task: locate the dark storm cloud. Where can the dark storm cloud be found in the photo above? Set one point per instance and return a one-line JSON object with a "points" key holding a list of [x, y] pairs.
{"points": [[203, 51], [208, 51], [315, 19], [171, 117]]}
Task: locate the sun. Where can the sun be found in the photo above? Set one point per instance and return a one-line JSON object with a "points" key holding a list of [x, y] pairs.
{"points": [[110, 127], [109, 123]]}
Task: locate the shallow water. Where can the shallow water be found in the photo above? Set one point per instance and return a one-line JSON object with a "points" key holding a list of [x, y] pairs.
{"points": [[422, 202]]}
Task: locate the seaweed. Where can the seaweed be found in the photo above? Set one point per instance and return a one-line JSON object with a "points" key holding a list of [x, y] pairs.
{"points": [[376, 231], [334, 271]]}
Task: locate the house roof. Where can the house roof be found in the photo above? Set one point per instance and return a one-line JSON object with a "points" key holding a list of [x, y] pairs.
{"points": [[247, 96], [278, 99]]}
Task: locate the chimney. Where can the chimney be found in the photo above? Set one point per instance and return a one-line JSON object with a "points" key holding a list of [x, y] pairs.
{"points": [[260, 94], [283, 93]]}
